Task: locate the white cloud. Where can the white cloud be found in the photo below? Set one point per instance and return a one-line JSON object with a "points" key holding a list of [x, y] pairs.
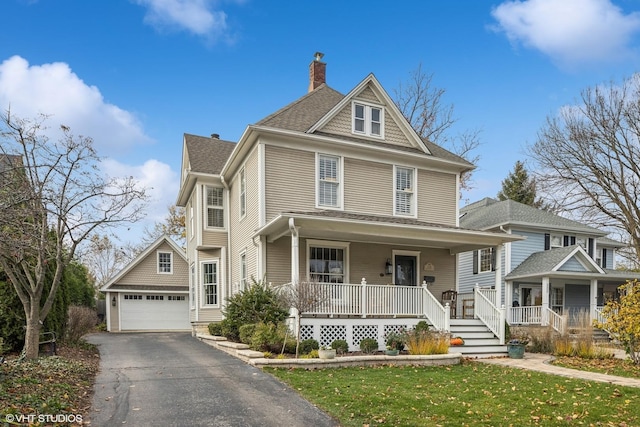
{"points": [[571, 32], [200, 17], [54, 89]]}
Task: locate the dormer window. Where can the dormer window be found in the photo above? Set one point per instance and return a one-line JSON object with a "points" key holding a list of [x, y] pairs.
{"points": [[367, 119]]}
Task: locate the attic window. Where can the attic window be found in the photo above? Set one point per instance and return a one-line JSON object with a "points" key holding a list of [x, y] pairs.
{"points": [[368, 119]]}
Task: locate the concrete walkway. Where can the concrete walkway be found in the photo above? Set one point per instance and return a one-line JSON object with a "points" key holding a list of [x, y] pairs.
{"points": [[541, 362]]}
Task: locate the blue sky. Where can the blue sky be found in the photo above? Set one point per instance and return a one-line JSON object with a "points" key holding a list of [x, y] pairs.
{"points": [[137, 74]]}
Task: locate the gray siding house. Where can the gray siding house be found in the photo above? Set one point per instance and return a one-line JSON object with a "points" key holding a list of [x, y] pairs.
{"points": [[562, 267]]}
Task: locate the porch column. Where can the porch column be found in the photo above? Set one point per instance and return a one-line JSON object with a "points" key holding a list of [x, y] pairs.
{"points": [[593, 298], [545, 301], [508, 298], [295, 254], [498, 281]]}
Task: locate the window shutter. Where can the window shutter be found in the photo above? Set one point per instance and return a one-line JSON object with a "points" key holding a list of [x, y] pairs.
{"points": [[493, 259], [475, 262], [565, 241], [604, 258], [572, 239], [590, 246], [547, 241]]}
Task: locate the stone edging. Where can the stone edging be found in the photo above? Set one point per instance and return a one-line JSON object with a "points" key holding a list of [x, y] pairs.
{"points": [[255, 358]]}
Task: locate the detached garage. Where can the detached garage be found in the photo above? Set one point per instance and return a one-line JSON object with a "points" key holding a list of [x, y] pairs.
{"points": [[152, 292]]}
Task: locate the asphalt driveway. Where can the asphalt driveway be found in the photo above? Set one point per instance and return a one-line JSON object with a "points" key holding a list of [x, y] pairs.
{"points": [[172, 379]]}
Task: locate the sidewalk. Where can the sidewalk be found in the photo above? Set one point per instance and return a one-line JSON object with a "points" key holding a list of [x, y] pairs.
{"points": [[540, 362]]}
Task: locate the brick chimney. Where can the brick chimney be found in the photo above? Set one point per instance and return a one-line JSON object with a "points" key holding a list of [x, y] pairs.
{"points": [[317, 71]]}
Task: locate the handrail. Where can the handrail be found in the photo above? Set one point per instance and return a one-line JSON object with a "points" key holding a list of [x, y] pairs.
{"points": [[439, 316], [489, 314], [557, 322]]}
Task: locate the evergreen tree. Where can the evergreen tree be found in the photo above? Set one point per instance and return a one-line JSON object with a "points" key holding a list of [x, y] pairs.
{"points": [[520, 187]]}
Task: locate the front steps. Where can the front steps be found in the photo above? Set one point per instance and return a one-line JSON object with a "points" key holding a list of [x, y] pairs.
{"points": [[479, 341]]}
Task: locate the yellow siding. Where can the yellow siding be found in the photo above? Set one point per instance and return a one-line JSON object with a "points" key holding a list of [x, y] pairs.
{"points": [[368, 187], [146, 272], [279, 261], [436, 197], [214, 238]]}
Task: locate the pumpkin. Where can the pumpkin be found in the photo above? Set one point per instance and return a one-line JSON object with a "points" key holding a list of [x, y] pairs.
{"points": [[456, 341]]}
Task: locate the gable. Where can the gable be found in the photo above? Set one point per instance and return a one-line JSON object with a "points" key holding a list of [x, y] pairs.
{"points": [[573, 264]]}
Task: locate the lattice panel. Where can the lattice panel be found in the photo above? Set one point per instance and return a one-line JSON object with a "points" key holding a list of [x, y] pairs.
{"points": [[361, 332], [388, 329], [306, 332], [330, 333]]}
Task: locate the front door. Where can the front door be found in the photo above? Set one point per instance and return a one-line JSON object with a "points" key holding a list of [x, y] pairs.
{"points": [[405, 270]]}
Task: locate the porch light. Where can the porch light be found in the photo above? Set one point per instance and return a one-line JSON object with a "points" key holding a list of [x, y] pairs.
{"points": [[113, 301], [388, 267]]}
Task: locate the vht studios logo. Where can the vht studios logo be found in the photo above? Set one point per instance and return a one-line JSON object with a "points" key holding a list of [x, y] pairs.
{"points": [[43, 418]]}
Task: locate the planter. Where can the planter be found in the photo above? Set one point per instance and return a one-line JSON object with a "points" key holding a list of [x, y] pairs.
{"points": [[391, 352], [516, 351], [327, 354]]}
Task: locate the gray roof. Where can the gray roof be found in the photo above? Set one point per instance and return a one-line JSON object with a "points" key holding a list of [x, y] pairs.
{"points": [[207, 155], [490, 213], [541, 262]]}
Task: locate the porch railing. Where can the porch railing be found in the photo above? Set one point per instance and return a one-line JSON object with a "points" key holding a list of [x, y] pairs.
{"points": [[557, 321], [527, 315], [439, 316], [492, 316]]}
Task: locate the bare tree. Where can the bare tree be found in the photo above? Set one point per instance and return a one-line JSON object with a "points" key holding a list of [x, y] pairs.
{"points": [[173, 226], [53, 197], [304, 297], [588, 159], [422, 104], [104, 258]]}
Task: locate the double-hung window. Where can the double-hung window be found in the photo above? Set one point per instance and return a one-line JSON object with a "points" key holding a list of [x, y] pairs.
{"points": [[486, 260], [165, 262], [243, 194], [404, 191], [243, 271], [327, 261], [215, 207], [210, 283], [368, 119], [329, 181]]}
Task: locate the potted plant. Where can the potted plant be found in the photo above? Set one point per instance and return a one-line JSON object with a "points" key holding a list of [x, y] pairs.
{"points": [[516, 346], [326, 352], [395, 343]]}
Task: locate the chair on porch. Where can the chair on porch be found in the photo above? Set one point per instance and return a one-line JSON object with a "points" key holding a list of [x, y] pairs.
{"points": [[451, 298]]}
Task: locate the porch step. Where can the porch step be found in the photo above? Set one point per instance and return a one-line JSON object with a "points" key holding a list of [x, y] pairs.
{"points": [[479, 341]]}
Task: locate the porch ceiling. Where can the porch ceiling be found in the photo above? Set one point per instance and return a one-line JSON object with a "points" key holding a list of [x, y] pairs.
{"points": [[352, 227]]}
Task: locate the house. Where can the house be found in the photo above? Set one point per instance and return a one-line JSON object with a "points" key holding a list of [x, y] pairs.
{"points": [[562, 267], [335, 189], [151, 293]]}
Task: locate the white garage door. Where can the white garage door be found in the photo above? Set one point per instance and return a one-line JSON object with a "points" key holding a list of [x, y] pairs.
{"points": [[154, 312]]}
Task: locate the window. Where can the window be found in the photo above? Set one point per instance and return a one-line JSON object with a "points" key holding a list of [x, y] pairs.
{"points": [[556, 241], [215, 207], [155, 297], [367, 119], [329, 181], [210, 283], [175, 297], [486, 260], [582, 241], [243, 194], [165, 266], [136, 297], [404, 191], [327, 262], [243, 271], [192, 293], [191, 228]]}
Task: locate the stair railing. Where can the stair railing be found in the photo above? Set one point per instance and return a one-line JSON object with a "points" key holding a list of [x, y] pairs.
{"points": [[439, 316], [489, 314]]}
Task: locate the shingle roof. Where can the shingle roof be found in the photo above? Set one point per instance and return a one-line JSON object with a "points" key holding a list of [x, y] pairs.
{"points": [[541, 262], [207, 155], [489, 213]]}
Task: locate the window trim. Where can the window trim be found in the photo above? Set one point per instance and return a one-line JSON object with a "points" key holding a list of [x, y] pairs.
{"points": [[192, 287], [243, 270], [207, 207], [242, 193], [203, 303], [158, 254], [368, 120], [339, 179], [413, 192], [558, 236], [331, 245]]}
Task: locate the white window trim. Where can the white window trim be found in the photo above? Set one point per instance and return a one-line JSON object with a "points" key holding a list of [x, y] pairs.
{"points": [[329, 244], [191, 221], [242, 193], [205, 221], [201, 283], [416, 254], [414, 192], [243, 275], [340, 199], [491, 250], [551, 245], [170, 262], [367, 119]]}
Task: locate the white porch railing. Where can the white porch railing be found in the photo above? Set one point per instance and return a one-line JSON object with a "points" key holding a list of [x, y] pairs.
{"points": [[439, 316], [527, 315], [598, 315], [492, 316], [557, 321]]}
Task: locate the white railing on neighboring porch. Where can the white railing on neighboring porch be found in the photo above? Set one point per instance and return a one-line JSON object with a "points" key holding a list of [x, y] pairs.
{"points": [[527, 315], [557, 321], [485, 309]]}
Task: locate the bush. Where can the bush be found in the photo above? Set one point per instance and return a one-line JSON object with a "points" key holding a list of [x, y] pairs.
{"points": [[421, 326], [306, 346], [427, 342], [622, 319], [80, 321], [540, 339], [246, 333], [340, 346], [270, 337], [215, 329], [369, 345]]}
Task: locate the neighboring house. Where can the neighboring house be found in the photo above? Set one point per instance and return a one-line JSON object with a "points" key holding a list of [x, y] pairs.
{"points": [[562, 267], [152, 292], [336, 189]]}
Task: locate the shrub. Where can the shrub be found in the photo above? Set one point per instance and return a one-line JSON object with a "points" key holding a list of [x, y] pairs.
{"points": [[80, 321], [540, 339], [306, 346], [369, 345], [246, 333], [270, 337], [427, 342], [622, 319], [562, 346], [395, 340], [421, 326], [215, 329], [340, 346]]}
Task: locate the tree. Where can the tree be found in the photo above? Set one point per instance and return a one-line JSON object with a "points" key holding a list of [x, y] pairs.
{"points": [[173, 226], [422, 104], [520, 187], [103, 258], [588, 159], [51, 200], [623, 319]]}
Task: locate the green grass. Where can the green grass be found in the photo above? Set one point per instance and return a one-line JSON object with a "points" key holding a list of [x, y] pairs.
{"points": [[470, 394]]}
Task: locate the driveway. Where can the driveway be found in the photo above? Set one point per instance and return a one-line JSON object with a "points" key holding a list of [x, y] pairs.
{"points": [[172, 378]]}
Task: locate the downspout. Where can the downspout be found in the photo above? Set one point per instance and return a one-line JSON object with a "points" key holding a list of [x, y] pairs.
{"points": [[227, 260]]}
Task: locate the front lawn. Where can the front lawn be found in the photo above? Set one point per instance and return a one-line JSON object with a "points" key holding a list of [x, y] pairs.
{"points": [[470, 394], [618, 367]]}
